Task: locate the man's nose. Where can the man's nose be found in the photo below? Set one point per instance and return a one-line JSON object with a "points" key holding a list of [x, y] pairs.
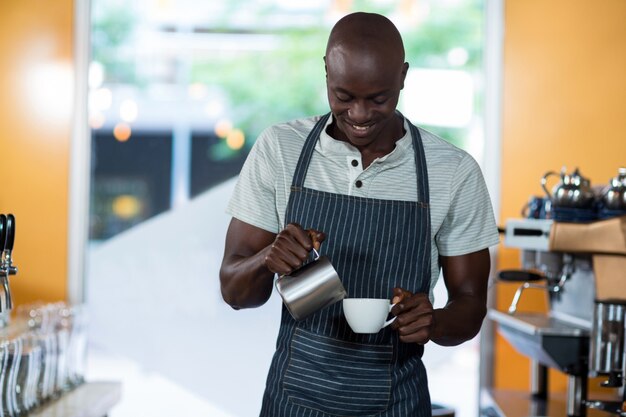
{"points": [[359, 111]]}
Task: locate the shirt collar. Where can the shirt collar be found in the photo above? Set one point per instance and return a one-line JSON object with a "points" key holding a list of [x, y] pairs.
{"points": [[328, 145]]}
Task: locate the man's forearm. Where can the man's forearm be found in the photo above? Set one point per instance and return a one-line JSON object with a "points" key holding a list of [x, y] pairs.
{"points": [[459, 321], [245, 281]]}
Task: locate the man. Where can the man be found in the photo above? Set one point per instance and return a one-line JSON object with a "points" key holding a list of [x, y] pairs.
{"points": [[389, 204]]}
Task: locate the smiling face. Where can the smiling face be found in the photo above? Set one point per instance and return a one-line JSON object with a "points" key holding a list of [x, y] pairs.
{"points": [[365, 71]]}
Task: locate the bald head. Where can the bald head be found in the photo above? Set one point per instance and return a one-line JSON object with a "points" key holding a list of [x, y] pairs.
{"points": [[365, 72], [369, 33]]}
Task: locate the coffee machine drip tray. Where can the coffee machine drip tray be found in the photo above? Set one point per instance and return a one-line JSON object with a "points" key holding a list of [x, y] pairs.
{"points": [[546, 339]]}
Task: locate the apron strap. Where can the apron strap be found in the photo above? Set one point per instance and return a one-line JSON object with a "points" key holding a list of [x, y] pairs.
{"points": [[423, 194], [307, 153]]}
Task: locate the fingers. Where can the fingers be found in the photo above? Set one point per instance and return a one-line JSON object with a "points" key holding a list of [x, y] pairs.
{"points": [[291, 248], [296, 235], [316, 237], [414, 314], [399, 294], [284, 257], [415, 330]]}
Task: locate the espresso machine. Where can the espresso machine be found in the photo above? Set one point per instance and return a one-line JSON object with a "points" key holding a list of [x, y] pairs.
{"points": [[579, 265]]}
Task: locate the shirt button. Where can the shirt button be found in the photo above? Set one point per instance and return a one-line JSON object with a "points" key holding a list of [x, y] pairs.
{"points": [[358, 184], [355, 163]]}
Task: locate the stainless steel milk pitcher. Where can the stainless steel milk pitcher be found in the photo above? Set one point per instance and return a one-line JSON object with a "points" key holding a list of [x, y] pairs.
{"points": [[311, 288]]}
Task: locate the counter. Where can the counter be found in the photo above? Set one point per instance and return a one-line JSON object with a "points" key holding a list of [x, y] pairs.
{"points": [[91, 399], [511, 403]]}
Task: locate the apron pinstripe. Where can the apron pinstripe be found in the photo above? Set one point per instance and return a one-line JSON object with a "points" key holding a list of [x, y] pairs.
{"points": [[321, 368]]}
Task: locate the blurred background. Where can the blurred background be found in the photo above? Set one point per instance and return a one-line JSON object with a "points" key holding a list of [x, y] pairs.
{"points": [[125, 124], [178, 93]]}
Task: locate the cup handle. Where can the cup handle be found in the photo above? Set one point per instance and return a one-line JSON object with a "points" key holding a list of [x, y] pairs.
{"points": [[391, 320]]}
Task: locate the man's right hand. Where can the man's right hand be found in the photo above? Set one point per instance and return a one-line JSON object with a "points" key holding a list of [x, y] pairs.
{"points": [[291, 248], [252, 256]]}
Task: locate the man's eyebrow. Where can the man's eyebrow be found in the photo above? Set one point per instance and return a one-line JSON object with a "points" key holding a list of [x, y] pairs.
{"points": [[373, 95]]}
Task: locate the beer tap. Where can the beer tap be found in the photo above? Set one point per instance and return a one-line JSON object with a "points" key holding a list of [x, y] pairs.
{"points": [[7, 239]]}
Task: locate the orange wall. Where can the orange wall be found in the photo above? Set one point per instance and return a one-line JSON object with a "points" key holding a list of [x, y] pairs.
{"points": [[35, 129], [564, 103]]}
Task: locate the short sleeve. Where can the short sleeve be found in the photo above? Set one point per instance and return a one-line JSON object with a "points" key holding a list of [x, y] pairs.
{"points": [[254, 197], [470, 224]]}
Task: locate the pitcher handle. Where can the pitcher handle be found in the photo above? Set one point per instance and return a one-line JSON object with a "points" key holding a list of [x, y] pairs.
{"points": [[544, 180]]}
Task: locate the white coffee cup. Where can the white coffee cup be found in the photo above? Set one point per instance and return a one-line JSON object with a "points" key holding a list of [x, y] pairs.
{"points": [[367, 315]]}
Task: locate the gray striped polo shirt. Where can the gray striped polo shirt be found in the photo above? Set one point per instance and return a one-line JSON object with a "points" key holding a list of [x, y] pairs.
{"points": [[462, 219]]}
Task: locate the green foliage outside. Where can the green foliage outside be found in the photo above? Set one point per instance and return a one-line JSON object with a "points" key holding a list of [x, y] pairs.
{"points": [[111, 30], [287, 82], [269, 87]]}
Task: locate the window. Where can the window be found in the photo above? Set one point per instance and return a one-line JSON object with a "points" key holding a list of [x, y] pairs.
{"points": [[179, 92]]}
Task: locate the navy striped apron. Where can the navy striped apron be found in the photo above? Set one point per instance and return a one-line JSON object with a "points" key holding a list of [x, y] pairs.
{"points": [[321, 368]]}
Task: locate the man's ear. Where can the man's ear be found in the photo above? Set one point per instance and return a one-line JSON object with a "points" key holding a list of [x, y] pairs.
{"points": [[405, 70], [325, 67]]}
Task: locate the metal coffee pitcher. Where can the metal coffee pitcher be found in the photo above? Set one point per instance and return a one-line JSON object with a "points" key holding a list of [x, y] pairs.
{"points": [[572, 191], [614, 195], [312, 287]]}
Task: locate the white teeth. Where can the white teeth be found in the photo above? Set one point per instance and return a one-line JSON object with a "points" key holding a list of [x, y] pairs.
{"points": [[360, 127]]}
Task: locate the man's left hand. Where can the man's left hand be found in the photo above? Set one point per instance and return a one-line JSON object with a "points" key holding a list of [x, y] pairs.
{"points": [[415, 319]]}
